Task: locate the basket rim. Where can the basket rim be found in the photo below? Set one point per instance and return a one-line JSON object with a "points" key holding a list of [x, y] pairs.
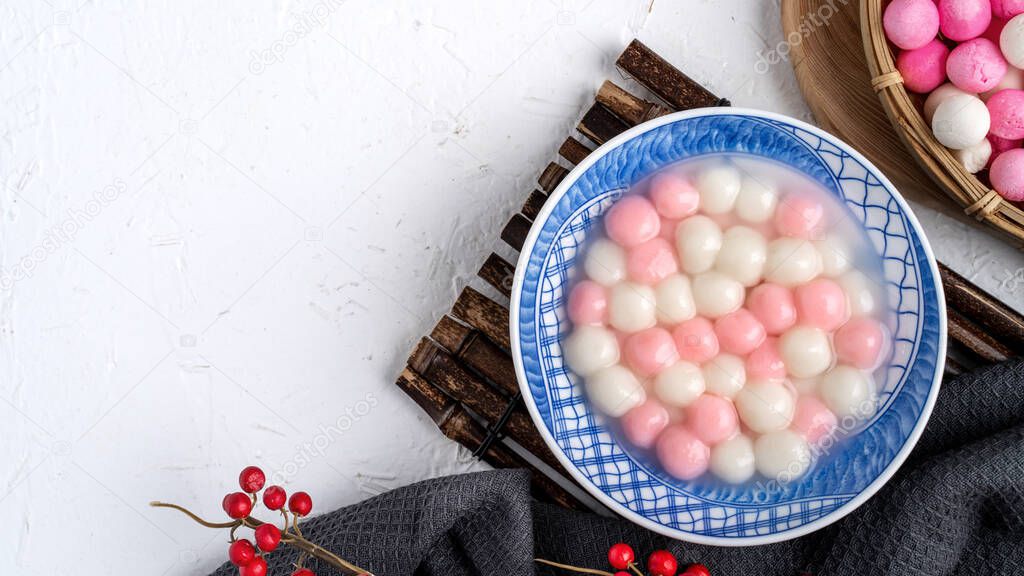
{"points": [[977, 200]]}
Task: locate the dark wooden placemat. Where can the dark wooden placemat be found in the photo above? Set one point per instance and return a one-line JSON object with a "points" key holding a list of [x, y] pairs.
{"points": [[462, 374]]}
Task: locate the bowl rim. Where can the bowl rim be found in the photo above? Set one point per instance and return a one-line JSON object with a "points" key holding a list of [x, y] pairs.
{"points": [[592, 489]]}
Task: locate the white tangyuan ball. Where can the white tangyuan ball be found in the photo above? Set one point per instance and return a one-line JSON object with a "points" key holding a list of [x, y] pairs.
{"points": [[698, 240], [782, 455], [806, 351], [1012, 80], [615, 390], [733, 460], [718, 187], [791, 261], [674, 299], [848, 392], [631, 307], [975, 158], [938, 96], [1011, 41], [961, 121], [765, 405], [756, 201], [724, 375], [744, 251], [835, 256], [679, 384], [716, 294], [861, 298], [589, 349], [605, 262]]}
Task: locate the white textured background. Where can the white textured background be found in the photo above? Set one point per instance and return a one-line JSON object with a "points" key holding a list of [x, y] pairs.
{"points": [[284, 214]]}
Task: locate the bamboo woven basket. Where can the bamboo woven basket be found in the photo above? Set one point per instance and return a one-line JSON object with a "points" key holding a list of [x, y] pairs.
{"points": [[971, 193]]}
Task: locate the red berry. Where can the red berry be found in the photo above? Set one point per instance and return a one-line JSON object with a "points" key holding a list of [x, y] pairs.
{"points": [[258, 567], [237, 505], [303, 572], [268, 537], [300, 503], [274, 497], [241, 552], [251, 479], [662, 563], [622, 573], [620, 556], [697, 570]]}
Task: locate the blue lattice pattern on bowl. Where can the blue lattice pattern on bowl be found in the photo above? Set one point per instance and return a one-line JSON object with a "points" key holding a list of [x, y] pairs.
{"points": [[712, 512]]}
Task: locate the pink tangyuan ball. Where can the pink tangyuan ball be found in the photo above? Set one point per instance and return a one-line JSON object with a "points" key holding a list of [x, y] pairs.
{"points": [[821, 303], [1007, 175], [861, 343], [632, 221], [800, 216], [651, 261], [1006, 9], [695, 340], [712, 419], [962, 20], [681, 453], [1006, 109], [673, 196], [813, 419], [650, 351], [739, 332], [643, 424], [976, 66], [588, 304], [923, 69], [765, 362], [911, 24], [773, 306]]}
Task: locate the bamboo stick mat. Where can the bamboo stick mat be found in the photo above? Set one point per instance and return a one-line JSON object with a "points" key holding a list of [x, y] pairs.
{"points": [[462, 374]]}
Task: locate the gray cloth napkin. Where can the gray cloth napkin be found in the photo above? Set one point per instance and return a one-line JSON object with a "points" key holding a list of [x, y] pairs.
{"points": [[956, 507]]}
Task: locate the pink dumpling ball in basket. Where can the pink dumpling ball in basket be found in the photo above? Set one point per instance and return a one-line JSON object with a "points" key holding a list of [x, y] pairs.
{"points": [[911, 24], [1006, 9], [976, 66], [632, 221], [1000, 145], [923, 69], [1007, 175], [962, 20], [1007, 112]]}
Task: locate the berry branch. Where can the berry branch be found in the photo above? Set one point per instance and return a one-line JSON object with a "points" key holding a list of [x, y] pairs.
{"points": [[622, 558], [239, 506]]}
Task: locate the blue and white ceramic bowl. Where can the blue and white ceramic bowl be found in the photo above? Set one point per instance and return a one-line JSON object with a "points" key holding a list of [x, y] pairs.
{"points": [[713, 513]]}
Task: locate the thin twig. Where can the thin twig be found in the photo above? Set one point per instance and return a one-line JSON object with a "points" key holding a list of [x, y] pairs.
{"points": [[572, 568], [295, 540]]}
